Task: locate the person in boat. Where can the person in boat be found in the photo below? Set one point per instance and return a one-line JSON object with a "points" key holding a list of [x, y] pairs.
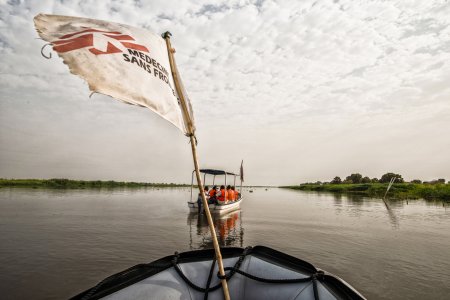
{"points": [[235, 192], [222, 195], [200, 200], [230, 194], [212, 195]]}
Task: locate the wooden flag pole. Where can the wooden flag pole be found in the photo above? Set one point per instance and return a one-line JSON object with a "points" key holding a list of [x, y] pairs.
{"points": [[193, 141]]}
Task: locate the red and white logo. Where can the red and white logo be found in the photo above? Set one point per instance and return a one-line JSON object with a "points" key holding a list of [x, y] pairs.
{"points": [[85, 39]]}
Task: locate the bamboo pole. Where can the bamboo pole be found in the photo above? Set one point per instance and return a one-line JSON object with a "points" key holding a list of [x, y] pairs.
{"points": [[387, 190], [192, 183], [193, 141], [389, 187]]}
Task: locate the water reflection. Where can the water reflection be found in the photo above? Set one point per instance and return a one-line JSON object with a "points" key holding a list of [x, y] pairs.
{"points": [[355, 202], [228, 227], [355, 199], [392, 217], [337, 199]]}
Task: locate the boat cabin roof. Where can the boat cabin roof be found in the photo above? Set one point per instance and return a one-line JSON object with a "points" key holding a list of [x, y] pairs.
{"points": [[216, 172]]}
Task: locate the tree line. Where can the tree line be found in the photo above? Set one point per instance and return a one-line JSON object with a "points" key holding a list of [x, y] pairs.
{"points": [[63, 183], [357, 178]]}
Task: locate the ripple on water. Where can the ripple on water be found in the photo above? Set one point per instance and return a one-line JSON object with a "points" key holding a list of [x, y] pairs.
{"points": [[54, 244]]}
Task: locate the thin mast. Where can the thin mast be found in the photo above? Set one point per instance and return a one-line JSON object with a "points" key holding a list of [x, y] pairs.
{"points": [[241, 176], [193, 140]]}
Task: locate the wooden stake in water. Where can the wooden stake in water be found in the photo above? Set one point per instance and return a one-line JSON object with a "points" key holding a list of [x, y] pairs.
{"points": [[387, 190], [193, 141], [391, 182]]}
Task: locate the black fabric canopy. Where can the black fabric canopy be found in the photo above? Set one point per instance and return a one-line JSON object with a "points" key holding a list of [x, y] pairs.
{"points": [[216, 172]]}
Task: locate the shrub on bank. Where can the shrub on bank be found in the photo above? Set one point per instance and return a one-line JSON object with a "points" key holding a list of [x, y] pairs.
{"points": [[398, 190]]}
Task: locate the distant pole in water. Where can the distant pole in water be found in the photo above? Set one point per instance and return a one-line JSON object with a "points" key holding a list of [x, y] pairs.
{"points": [[389, 187], [193, 141], [387, 190]]}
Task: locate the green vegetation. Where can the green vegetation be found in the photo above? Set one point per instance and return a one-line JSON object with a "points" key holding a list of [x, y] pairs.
{"points": [[357, 184], [60, 183], [398, 190]]}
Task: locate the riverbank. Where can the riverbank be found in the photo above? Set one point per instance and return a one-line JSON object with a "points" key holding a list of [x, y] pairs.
{"points": [[397, 191], [58, 183]]}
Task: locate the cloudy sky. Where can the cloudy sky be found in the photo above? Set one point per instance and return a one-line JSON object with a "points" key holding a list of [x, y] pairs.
{"points": [[301, 90]]}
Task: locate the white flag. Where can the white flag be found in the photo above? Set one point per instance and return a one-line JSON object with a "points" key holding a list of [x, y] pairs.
{"points": [[127, 63]]}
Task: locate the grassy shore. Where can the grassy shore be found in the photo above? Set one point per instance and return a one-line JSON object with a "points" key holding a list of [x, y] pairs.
{"points": [[398, 190], [58, 183]]}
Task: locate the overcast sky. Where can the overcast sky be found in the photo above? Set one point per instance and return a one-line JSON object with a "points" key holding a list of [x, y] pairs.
{"points": [[301, 90]]}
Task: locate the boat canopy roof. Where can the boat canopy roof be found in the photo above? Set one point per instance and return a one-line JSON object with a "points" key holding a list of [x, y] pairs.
{"points": [[216, 172]]}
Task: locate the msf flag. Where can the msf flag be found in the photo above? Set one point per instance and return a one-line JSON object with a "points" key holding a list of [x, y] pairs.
{"points": [[127, 63]]}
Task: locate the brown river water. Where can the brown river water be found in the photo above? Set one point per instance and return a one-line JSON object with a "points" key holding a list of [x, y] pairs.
{"points": [[57, 243]]}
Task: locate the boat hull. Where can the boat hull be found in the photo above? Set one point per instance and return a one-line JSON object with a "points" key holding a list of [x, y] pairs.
{"points": [[253, 273], [216, 208]]}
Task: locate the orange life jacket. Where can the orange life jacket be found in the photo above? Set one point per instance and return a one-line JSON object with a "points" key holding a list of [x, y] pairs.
{"points": [[230, 195], [223, 195], [236, 195], [212, 193]]}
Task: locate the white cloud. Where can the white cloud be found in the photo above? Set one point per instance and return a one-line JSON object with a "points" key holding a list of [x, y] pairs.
{"points": [[308, 72]]}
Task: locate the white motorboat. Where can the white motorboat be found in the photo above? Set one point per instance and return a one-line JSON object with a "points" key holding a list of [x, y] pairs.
{"points": [[216, 208]]}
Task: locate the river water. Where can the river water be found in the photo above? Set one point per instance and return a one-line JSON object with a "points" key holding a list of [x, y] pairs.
{"points": [[57, 243]]}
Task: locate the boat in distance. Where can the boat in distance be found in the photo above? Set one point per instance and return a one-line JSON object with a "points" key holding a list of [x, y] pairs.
{"points": [[215, 207], [252, 273]]}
